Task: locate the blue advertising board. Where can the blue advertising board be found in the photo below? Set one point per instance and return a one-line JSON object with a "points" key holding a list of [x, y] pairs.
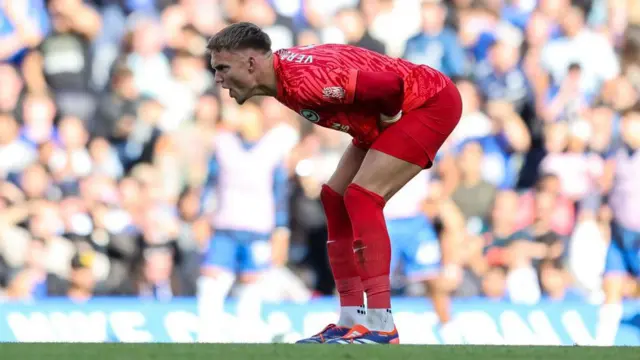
{"points": [[478, 322]]}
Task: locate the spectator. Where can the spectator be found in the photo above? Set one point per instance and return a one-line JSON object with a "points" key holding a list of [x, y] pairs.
{"points": [[238, 247], [23, 24], [580, 45], [436, 45], [63, 62], [509, 138], [15, 154], [117, 106], [548, 247], [554, 282], [279, 28], [474, 123], [104, 159], [562, 213], [509, 247], [38, 115], [625, 229], [151, 68], [33, 281], [11, 89], [473, 196], [156, 276], [352, 25], [500, 76], [578, 169], [494, 285], [81, 283], [71, 160], [567, 102], [36, 184]]}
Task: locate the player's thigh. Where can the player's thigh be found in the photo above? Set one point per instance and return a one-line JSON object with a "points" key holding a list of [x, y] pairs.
{"points": [[347, 169], [254, 256], [421, 251], [420, 133], [384, 174], [221, 254]]}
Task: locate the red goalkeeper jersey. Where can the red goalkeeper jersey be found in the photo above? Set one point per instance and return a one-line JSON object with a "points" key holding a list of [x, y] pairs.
{"points": [[321, 83]]}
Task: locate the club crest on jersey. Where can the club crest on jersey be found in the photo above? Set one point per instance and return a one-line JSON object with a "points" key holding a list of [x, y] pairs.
{"points": [[333, 92], [310, 115]]}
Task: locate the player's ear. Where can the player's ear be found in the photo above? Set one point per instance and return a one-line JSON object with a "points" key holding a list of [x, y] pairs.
{"points": [[251, 64]]}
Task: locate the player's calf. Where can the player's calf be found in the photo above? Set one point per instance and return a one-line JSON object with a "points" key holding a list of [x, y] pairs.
{"points": [[341, 259], [372, 249]]}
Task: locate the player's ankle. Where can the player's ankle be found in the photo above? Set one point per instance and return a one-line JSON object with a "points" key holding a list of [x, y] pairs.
{"points": [[352, 315], [380, 320], [378, 290], [351, 291]]}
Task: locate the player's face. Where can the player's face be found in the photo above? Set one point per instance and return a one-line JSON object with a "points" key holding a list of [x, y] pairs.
{"points": [[235, 71]]}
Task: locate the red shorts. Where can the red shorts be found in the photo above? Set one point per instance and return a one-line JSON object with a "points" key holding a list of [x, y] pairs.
{"points": [[419, 134]]}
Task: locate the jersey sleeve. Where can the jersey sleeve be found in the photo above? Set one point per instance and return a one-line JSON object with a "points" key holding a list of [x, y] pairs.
{"points": [[319, 86]]}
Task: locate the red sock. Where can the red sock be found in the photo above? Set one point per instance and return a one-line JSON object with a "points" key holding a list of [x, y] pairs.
{"points": [[372, 246], [340, 249]]}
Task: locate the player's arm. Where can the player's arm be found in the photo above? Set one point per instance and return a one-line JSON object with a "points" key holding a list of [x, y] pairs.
{"points": [[381, 91]]}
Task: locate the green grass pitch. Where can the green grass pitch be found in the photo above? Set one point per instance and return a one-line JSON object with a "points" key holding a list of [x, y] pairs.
{"points": [[306, 352]]}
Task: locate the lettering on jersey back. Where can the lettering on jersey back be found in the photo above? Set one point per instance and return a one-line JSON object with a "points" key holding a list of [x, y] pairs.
{"points": [[298, 58]]}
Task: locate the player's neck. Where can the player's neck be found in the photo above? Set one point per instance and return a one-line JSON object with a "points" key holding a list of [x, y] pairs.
{"points": [[268, 81]]}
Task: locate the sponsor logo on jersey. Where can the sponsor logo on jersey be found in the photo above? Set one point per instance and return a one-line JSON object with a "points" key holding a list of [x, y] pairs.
{"points": [[310, 115], [340, 127], [333, 92]]}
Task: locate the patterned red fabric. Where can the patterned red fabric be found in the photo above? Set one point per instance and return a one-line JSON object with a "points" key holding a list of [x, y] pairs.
{"points": [[319, 82]]}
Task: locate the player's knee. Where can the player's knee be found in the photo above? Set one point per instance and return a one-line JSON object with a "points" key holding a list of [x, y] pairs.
{"points": [[356, 197], [330, 198]]}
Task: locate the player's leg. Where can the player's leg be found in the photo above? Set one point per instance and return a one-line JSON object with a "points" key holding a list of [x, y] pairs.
{"points": [[340, 238], [340, 248], [216, 279], [398, 155], [365, 199]]}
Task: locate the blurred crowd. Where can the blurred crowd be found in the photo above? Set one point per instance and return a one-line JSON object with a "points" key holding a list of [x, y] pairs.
{"points": [[109, 112]]}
